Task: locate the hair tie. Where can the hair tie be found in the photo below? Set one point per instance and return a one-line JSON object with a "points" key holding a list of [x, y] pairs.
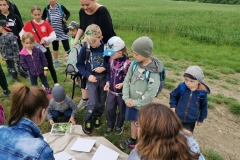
{"points": [[27, 89]]}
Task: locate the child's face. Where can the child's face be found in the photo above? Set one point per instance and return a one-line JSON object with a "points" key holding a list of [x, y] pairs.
{"points": [[138, 57], [4, 7], [96, 42], [116, 55], [52, 2], [191, 83], [37, 15], [73, 32], [28, 44]]}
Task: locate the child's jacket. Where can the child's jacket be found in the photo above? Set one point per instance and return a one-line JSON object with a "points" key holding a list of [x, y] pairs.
{"points": [[137, 87], [34, 63], [116, 72], [9, 46], [96, 59], [68, 103], [190, 106]]}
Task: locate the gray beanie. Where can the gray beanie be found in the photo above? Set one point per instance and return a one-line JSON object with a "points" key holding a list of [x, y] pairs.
{"points": [[143, 46], [58, 94], [196, 72]]}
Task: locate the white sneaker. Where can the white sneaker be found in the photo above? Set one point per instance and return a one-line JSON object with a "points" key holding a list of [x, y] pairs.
{"points": [[56, 84], [43, 86], [82, 104]]}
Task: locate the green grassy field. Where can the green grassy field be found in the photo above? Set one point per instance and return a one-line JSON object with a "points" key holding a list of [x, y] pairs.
{"points": [[184, 33]]}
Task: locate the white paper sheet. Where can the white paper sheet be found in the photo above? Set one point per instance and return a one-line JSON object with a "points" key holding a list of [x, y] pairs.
{"points": [[63, 156], [105, 153], [83, 144]]}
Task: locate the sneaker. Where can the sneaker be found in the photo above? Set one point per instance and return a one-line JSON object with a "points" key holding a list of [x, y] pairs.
{"points": [[56, 63], [56, 84], [7, 92], [87, 128], [82, 104], [43, 86], [97, 123], [108, 131], [118, 130], [128, 142]]}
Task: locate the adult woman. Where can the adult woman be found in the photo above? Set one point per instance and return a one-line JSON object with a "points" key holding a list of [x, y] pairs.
{"points": [[161, 136], [57, 15], [93, 13], [22, 139]]}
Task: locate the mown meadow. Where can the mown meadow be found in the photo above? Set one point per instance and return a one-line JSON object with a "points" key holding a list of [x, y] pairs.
{"points": [[184, 33]]}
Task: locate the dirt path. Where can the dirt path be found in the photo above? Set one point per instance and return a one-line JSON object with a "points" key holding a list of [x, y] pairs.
{"points": [[220, 131]]}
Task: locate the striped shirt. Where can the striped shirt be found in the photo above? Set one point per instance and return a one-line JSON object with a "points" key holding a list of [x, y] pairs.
{"points": [[55, 19]]}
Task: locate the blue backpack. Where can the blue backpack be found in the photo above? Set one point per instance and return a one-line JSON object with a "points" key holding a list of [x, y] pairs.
{"points": [[162, 76]]}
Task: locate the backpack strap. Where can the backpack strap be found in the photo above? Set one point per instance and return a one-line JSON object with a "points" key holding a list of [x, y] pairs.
{"points": [[134, 66]]}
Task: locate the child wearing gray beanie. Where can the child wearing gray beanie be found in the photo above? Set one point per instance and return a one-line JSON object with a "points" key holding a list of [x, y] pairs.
{"points": [[189, 100], [61, 105], [139, 90]]}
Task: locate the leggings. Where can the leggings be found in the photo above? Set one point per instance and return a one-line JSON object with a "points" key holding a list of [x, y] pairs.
{"points": [[48, 56], [65, 44]]}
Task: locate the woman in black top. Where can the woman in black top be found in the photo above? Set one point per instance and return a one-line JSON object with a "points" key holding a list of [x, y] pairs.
{"points": [[94, 13]]}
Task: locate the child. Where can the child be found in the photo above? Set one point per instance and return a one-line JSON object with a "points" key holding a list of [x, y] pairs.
{"points": [[73, 28], [3, 83], [10, 51], [22, 139], [116, 72], [93, 67], [61, 105], [13, 21], [44, 35], [34, 61], [189, 99], [137, 92]]}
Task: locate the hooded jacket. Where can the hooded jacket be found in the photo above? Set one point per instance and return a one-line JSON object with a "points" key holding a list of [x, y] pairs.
{"points": [[137, 88], [190, 106], [9, 47], [34, 63], [116, 72]]}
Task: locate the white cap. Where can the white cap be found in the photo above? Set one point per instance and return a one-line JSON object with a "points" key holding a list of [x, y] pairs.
{"points": [[114, 44]]}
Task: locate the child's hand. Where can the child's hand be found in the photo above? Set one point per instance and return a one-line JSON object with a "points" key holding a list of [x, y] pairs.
{"points": [[15, 60], [92, 78], [119, 85], [45, 73], [66, 56], [129, 103], [64, 20], [106, 87], [42, 41], [99, 69], [72, 120], [51, 122], [199, 123], [47, 20], [3, 59]]}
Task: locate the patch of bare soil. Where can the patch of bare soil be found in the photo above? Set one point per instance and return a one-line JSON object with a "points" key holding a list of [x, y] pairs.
{"points": [[221, 130]]}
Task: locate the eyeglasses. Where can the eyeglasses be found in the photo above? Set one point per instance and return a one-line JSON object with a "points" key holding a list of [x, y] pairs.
{"points": [[136, 124]]}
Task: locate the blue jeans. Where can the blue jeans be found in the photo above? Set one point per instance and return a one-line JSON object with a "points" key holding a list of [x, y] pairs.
{"points": [[43, 79], [55, 114]]}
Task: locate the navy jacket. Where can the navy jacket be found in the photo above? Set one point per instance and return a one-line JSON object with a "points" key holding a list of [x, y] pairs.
{"points": [[190, 106], [97, 59]]}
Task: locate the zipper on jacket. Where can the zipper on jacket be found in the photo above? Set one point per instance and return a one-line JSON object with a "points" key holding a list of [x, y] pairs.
{"points": [[35, 65], [188, 104]]}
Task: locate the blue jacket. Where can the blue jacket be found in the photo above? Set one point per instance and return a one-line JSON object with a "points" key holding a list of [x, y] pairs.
{"points": [[97, 59], [192, 143], [190, 106], [116, 72], [23, 141]]}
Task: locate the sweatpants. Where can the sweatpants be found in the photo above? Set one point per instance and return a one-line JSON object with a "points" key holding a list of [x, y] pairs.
{"points": [[97, 98], [113, 101], [48, 56], [43, 79], [14, 68], [3, 81]]}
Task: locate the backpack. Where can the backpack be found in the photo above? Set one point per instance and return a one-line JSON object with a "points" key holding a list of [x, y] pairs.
{"points": [[2, 115], [162, 76], [124, 67], [71, 67]]}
